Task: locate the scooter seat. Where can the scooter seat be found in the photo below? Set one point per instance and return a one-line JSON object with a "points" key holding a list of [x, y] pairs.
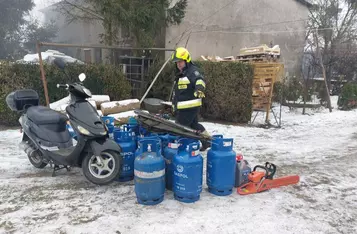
{"points": [[41, 115]]}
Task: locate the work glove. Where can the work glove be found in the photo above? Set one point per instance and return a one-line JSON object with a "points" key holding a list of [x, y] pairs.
{"points": [[199, 94]]}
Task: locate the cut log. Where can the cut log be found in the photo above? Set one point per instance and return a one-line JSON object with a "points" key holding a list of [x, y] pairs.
{"points": [[119, 106], [99, 99], [61, 104], [123, 118], [93, 104]]}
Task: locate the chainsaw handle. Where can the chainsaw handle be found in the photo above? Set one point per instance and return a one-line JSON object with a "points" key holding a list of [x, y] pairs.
{"points": [[261, 167], [271, 168]]}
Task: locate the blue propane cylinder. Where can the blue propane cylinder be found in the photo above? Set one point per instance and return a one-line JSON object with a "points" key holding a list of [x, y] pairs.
{"points": [[188, 170], [128, 145], [221, 166], [143, 131], [170, 148], [149, 173], [109, 122], [139, 148], [134, 128], [71, 131]]}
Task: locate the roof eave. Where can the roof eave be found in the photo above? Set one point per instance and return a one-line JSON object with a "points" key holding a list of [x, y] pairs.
{"points": [[306, 3]]}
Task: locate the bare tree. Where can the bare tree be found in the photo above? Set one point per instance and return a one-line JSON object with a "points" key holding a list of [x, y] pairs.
{"points": [[309, 69], [335, 21]]}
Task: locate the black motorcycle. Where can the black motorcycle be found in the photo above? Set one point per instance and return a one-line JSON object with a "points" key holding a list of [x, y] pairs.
{"points": [[46, 138]]}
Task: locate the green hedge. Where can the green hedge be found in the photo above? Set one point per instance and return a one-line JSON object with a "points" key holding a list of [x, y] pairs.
{"points": [[348, 97], [228, 94], [101, 79]]}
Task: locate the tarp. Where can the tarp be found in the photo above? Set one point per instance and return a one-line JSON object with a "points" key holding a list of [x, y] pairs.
{"points": [[157, 124]]}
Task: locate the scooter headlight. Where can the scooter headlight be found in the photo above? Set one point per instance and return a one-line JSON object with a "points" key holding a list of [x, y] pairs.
{"points": [[83, 130], [87, 91]]}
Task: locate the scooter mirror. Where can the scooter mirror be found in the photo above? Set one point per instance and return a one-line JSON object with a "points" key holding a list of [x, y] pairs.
{"points": [[82, 77], [59, 63]]}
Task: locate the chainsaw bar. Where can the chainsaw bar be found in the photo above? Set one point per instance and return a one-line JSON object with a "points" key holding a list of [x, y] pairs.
{"points": [[266, 184], [260, 181]]}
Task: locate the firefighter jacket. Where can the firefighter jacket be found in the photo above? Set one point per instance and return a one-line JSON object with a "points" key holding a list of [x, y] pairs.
{"points": [[187, 83]]}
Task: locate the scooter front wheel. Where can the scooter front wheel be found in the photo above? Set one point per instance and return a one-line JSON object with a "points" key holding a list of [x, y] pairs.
{"points": [[102, 169]]}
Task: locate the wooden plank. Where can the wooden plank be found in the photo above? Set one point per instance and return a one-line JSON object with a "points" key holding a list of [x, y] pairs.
{"points": [[269, 69], [260, 100], [259, 107], [262, 92], [263, 66], [263, 72], [261, 84], [269, 104], [263, 79], [272, 74]]}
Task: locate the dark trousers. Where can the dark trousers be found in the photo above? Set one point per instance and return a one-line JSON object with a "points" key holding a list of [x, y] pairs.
{"points": [[189, 118]]}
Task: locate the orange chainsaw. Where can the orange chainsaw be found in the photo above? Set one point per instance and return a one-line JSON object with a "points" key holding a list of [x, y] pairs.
{"points": [[260, 181]]}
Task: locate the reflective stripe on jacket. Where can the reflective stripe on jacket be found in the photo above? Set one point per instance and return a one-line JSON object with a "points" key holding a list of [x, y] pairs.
{"points": [[187, 83]]}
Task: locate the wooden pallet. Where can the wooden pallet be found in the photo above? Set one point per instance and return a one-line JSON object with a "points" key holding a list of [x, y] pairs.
{"points": [[260, 107], [257, 56], [268, 70], [265, 75]]}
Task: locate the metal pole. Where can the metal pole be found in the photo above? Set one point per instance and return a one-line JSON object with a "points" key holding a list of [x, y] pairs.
{"points": [[43, 76], [100, 46], [142, 74], [152, 83], [172, 91]]}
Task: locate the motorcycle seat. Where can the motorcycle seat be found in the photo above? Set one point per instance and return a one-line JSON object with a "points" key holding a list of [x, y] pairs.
{"points": [[42, 115]]}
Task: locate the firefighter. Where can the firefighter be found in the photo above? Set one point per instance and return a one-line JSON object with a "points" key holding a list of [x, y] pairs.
{"points": [[188, 92]]}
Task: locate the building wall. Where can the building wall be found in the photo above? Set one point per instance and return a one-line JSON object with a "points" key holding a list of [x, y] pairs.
{"points": [[247, 23], [74, 33]]}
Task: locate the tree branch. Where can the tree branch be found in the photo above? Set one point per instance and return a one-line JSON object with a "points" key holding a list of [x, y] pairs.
{"points": [[83, 14]]}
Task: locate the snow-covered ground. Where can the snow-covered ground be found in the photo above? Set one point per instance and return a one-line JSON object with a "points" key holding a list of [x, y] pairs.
{"points": [[320, 147]]}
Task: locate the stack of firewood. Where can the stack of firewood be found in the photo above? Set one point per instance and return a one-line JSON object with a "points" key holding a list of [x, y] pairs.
{"points": [[120, 110]]}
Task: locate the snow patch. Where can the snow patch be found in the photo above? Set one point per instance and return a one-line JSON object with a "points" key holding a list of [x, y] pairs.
{"points": [[126, 114], [99, 98], [119, 103], [123, 115], [320, 147], [61, 104]]}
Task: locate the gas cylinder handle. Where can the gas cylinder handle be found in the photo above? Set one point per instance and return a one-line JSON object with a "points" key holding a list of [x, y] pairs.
{"points": [[217, 136], [184, 143], [193, 149], [149, 147]]}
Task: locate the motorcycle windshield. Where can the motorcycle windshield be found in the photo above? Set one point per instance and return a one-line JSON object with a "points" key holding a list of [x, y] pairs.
{"points": [[84, 114]]}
